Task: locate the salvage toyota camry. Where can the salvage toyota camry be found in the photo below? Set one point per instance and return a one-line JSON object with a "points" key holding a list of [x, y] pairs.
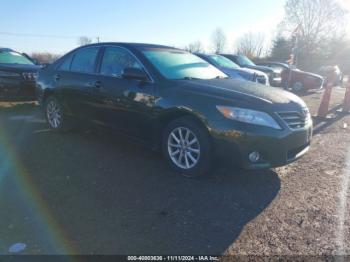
{"points": [[175, 102]]}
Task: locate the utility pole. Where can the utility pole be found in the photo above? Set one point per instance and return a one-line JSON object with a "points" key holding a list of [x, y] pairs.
{"points": [[295, 53], [98, 39]]}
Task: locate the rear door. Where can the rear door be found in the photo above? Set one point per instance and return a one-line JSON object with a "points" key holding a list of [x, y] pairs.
{"points": [[76, 79]]}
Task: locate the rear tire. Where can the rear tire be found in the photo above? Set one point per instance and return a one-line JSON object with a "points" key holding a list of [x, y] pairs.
{"points": [[186, 146], [55, 115]]}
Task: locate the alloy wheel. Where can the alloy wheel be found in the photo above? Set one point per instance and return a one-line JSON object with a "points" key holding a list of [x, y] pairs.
{"points": [[54, 114], [297, 87], [184, 148]]}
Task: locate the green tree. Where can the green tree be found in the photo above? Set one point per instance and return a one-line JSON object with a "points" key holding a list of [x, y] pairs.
{"points": [[281, 49]]}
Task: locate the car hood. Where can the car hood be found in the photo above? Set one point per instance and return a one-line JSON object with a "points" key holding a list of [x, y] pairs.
{"points": [[252, 71], [246, 93], [234, 72], [297, 71], [246, 73], [264, 69], [19, 68]]}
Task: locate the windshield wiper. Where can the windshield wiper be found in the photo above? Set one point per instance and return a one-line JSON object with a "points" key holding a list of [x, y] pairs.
{"points": [[221, 77], [189, 78]]}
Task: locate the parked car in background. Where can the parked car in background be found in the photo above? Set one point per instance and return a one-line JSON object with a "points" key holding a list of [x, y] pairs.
{"points": [[175, 101], [244, 62], [233, 70], [17, 76], [331, 72], [296, 79]]}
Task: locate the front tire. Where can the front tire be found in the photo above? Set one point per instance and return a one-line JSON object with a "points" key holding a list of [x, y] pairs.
{"points": [[55, 116], [186, 147], [298, 87]]}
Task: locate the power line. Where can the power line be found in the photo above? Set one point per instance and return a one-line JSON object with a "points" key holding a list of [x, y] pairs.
{"points": [[41, 35]]}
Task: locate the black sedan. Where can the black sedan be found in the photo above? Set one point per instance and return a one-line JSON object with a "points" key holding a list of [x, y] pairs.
{"points": [[17, 76], [174, 101]]}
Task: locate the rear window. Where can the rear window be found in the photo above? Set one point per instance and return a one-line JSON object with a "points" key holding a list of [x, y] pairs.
{"points": [[10, 57], [84, 60]]}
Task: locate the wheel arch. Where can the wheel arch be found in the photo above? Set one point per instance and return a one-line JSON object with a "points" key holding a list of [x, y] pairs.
{"points": [[47, 93], [172, 114]]}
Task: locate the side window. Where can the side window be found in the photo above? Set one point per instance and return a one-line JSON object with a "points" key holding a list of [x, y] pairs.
{"points": [[84, 60], [65, 66], [115, 60]]}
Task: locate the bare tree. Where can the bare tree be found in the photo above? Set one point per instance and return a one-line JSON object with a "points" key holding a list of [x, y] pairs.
{"points": [[218, 40], [195, 47], [251, 45], [316, 20], [45, 58], [84, 40]]}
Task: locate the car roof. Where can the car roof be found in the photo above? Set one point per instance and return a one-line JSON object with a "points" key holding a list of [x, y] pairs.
{"points": [[3, 49], [223, 54], [134, 45], [273, 63], [202, 54]]}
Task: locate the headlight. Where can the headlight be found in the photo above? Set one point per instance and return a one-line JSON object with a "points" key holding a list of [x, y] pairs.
{"points": [[248, 116], [8, 74]]}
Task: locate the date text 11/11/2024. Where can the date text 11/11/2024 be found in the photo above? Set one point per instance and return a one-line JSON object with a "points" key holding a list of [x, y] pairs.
{"points": [[173, 258]]}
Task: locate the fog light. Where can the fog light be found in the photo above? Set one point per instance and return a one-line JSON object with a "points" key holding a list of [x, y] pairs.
{"points": [[254, 157]]}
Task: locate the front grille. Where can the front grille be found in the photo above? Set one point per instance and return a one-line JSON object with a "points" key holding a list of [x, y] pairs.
{"points": [[295, 120], [29, 76]]}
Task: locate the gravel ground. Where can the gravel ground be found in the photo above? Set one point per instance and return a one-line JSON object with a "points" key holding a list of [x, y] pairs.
{"points": [[310, 215], [87, 193]]}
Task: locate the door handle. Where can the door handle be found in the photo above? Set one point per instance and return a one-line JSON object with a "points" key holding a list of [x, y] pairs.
{"points": [[96, 84], [57, 77]]}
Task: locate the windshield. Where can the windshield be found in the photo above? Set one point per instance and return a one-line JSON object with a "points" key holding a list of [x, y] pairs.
{"points": [[10, 57], [176, 64], [223, 61], [245, 61]]}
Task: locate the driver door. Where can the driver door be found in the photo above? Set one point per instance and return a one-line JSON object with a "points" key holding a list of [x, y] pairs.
{"points": [[126, 105]]}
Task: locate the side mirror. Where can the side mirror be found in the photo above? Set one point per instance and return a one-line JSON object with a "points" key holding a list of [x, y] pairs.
{"points": [[44, 65], [134, 73], [36, 61]]}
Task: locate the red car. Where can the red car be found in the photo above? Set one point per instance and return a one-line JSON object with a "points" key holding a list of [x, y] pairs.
{"points": [[295, 79]]}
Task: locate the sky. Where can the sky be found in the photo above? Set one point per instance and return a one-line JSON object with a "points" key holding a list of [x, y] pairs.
{"points": [[55, 26]]}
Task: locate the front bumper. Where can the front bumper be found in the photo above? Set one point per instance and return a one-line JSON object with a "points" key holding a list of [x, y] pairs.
{"points": [[276, 81], [276, 147], [17, 89]]}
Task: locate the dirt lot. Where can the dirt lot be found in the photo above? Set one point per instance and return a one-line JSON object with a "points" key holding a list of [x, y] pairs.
{"points": [[89, 192]]}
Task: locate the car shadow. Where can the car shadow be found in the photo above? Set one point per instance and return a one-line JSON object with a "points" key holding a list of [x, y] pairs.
{"points": [[303, 93], [108, 196]]}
